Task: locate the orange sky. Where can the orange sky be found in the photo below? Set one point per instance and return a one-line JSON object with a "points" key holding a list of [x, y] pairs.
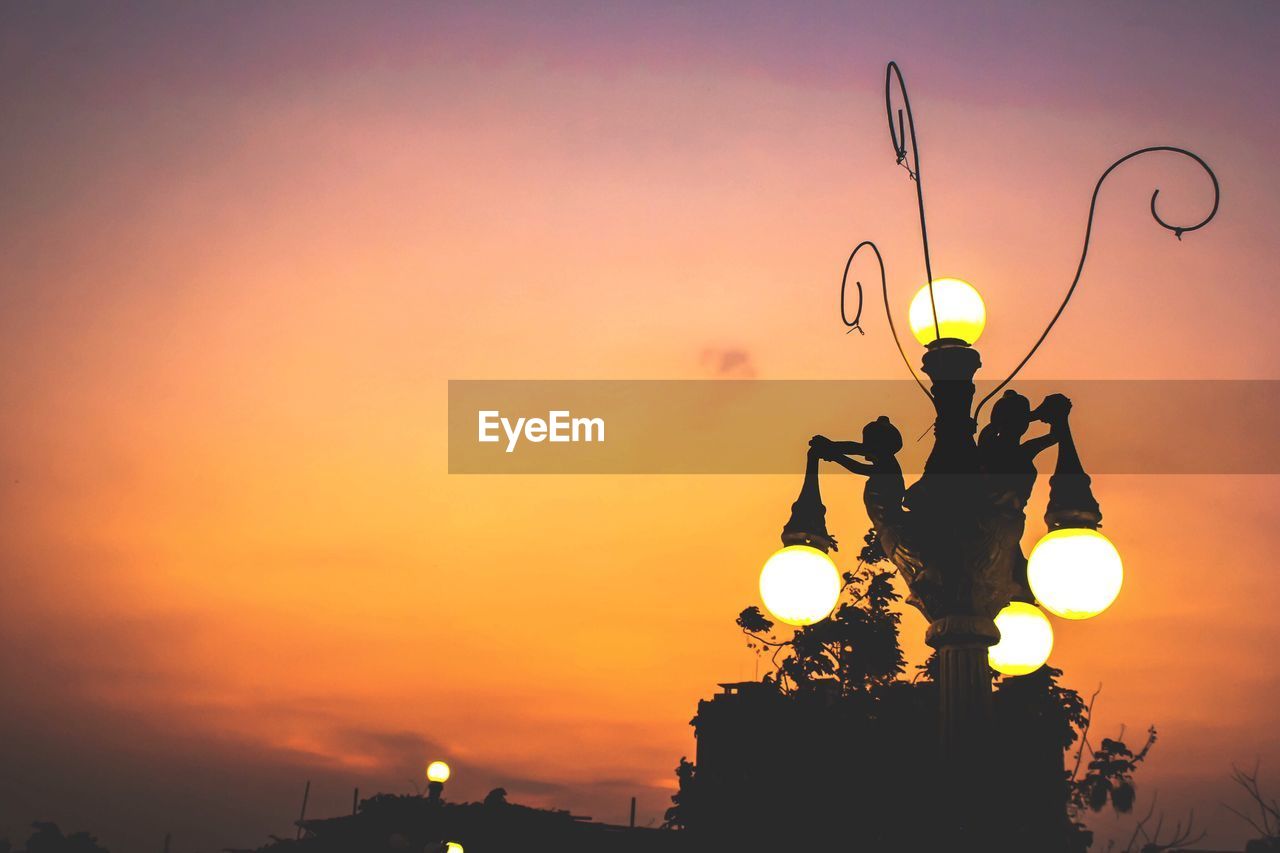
{"points": [[243, 252]]}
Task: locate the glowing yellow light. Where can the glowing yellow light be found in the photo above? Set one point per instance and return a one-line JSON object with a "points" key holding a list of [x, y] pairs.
{"points": [[1026, 638], [438, 771], [452, 847], [1075, 572], [800, 585], [961, 313]]}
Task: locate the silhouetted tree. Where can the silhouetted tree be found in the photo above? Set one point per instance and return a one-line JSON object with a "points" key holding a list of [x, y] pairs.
{"points": [[1109, 776], [683, 809], [1148, 838], [1267, 820], [48, 838], [855, 650]]}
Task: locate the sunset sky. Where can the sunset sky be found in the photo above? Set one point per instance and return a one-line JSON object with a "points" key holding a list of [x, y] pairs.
{"points": [[243, 248]]}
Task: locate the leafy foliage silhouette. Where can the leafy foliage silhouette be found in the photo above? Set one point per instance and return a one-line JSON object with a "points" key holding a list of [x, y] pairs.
{"points": [[1264, 815], [856, 649], [48, 838], [855, 658]]}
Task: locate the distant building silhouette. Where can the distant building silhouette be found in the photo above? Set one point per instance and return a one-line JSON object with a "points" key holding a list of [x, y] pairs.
{"points": [[412, 823], [801, 769]]}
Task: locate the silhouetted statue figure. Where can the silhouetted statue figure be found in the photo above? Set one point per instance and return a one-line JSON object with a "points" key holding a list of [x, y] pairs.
{"points": [[885, 489], [1008, 466], [1007, 460], [880, 443]]}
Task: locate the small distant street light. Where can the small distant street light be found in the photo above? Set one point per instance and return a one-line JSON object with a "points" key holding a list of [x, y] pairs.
{"points": [[437, 774], [443, 847]]}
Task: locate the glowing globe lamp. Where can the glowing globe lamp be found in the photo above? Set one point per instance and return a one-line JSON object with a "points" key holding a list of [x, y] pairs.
{"points": [[1026, 638], [438, 771], [800, 585], [961, 312], [452, 847], [1075, 572]]}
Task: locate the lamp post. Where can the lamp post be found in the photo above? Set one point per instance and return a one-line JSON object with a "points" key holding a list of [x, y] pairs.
{"points": [[954, 535]]}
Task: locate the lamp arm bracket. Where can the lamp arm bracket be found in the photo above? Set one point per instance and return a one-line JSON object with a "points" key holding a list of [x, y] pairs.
{"points": [[1177, 230], [884, 289]]}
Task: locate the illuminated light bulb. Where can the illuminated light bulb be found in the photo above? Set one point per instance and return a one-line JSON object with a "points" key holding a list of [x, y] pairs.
{"points": [[961, 312], [800, 585], [438, 771], [452, 847], [1026, 638], [1075, 572]]}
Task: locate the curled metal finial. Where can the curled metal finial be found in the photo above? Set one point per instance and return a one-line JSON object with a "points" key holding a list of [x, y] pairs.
{"points": [[898, 136], [855, 323], [884, 288], [1178, 231]]}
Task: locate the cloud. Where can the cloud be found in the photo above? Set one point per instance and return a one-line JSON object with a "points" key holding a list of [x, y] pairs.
{"points": [[727, 362]]}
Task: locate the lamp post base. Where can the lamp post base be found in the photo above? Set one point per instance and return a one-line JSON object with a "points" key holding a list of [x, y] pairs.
{"points": [[964, 688], [965, 723]]}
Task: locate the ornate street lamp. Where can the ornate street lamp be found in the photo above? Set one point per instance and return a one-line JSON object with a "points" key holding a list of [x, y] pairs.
{"points": [[955, 534]]}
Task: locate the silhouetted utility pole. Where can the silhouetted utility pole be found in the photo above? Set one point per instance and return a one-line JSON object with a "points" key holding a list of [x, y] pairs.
{"points": [[302, 815]]}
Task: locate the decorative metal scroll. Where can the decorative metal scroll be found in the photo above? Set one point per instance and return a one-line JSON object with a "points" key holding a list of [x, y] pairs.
{"points": [[884, 288], [902, 135], [1178, 231], [898, 136]]}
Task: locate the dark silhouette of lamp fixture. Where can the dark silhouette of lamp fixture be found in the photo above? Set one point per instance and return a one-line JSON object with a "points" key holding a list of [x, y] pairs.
{"points": [[955, 534], [1074, 571], [800, 584]]}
